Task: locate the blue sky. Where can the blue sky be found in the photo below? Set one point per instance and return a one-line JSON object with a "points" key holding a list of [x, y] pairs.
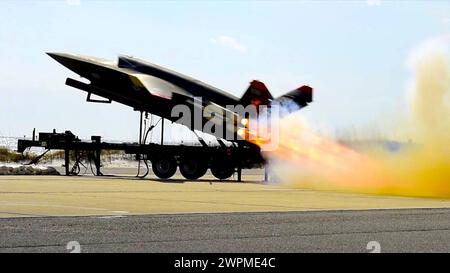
{"points": [[352, 52]]}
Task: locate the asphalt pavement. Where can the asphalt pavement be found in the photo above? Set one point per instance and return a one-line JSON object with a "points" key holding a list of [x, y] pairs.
{"points": [[398, 230]]}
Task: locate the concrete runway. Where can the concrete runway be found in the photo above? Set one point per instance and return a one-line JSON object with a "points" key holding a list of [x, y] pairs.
{"points": [[124, 214], [412, 230], [22, 196]]}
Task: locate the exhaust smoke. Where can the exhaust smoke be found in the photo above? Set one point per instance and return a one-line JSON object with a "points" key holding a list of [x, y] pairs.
{"points": [[421, 167]]}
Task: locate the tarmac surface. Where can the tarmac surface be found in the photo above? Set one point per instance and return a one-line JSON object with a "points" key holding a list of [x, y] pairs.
{"points": [[125, 214], [331, 231]]}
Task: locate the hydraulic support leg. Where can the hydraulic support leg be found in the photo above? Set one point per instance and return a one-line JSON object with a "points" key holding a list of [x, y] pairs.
{"points": [[67, 161]]}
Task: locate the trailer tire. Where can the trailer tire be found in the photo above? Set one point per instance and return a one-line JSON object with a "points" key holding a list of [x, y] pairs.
{"points": [[222, 171], [164, 167], [192, 168]]}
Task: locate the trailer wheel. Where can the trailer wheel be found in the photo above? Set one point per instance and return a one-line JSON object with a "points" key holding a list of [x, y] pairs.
{"points": [[222, 171], [192, 168], [164, 167]]}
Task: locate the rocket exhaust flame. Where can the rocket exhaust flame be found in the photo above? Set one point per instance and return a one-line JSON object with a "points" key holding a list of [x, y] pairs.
{"points": [[307, 160]]}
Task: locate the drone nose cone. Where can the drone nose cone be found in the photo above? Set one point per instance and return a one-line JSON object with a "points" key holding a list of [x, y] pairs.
{"points": [[52, 54], [67, 60], [57, 56]]}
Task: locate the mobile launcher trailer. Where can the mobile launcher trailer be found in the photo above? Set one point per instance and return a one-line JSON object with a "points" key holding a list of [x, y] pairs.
{"points": [[149, 88]]}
